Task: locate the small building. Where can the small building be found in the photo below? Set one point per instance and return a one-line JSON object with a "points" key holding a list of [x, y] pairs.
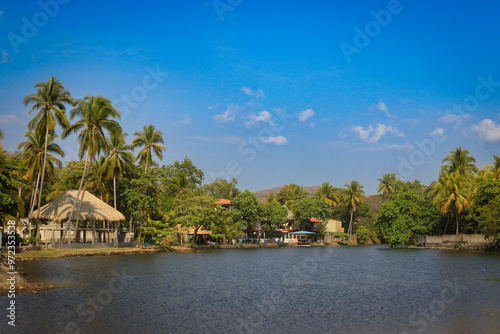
{"points": [[302, 238]]}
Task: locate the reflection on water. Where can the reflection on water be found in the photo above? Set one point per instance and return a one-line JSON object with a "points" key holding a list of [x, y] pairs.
{"points": [[369, 289]]}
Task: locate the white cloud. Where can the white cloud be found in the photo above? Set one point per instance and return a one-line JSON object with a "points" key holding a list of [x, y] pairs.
{"points": [[9, 119], [311, 125], [279, 140], [487, 130], [257, 94], [372, 136], [5, 57], [304, 115], [228, 115], [383, 107], [437, 132], [255, 119], [342, 134], [186, 121], [394, 147]]}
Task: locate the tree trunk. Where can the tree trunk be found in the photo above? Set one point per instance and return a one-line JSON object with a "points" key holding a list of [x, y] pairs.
{"points": [[193, 241], [68, 227], [447, 222], [457, 220], [43, 178], [114, 190], [83, 195], [349, 231], [34, 196]]}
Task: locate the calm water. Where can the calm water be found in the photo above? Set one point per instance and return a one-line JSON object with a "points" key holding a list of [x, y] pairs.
{"points": [[369, 289]]}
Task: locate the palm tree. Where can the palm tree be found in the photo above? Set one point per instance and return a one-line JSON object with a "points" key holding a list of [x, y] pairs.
{"points": [[491, 171], [354, 195], [33, 158], [50, 99], [150, 139], [120, 155], [181, 185], [271, 197], [388, 184], [98, 178], [460, 161], [95, 114], [326, 193], [452, 193], [1, 134]]}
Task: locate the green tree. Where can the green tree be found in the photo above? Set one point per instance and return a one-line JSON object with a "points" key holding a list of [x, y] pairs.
{"points": [[327, 194], [404, 216], [200, 212], [290, 192], [274, 214], [98, 179], [387, 185], [182, 185], [50, 99], [307, 208], [362, 235], [461, 162], [452, 193], [227, 228], [247, 208], [34, 155], [150, 140], [489, 219], [119, 156], [95, 115], [221, 188], [353, 197]]}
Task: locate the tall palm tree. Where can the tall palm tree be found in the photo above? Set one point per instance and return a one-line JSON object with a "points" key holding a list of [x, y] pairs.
{"points": [[33, 158], [95, 113], [150, 139], [119, 155], [354, 195], [492, 171], [461, 162], [50, 99], [452, 195], [388, 184], [326, 193]]}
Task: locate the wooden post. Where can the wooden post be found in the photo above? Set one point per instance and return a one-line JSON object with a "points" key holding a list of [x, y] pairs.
{"points": [[93, 232]]}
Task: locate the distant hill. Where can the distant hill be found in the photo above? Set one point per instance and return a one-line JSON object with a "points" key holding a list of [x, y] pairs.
{"points": [[262, 194]]}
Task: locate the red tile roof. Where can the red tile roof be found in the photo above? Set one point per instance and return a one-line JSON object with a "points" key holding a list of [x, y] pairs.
{"points": [[223, 201], [314, 220]]}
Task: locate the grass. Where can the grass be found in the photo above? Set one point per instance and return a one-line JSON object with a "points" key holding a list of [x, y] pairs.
{"points": [[51, 253]]}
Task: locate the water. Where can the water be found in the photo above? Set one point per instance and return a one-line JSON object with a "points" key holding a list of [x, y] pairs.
{"points": [[370, 289]]}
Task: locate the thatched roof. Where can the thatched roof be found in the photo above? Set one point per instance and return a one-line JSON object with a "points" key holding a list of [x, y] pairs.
{"points": [[93, 209]]}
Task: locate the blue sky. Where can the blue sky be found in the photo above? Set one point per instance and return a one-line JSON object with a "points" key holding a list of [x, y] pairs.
{"points": [[271, 93]]}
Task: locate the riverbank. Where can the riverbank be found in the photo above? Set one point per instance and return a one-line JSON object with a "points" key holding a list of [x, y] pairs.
{"points": [[54, 253]]}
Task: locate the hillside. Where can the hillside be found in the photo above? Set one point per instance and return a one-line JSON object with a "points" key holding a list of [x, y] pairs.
{"points": [[261, 195]]}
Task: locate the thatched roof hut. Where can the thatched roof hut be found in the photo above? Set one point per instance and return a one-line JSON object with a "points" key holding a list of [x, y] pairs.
{"points": [[93, 209]]}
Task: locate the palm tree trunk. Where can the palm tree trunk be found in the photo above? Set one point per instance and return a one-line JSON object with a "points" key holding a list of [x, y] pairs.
{"points": [[34, 196], [43, 178], [447, 222], [350, 222], [83, 194], [456, 215], [114, 190], [68, 227]]}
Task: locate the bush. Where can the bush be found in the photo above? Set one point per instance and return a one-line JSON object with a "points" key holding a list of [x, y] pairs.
{"points": [[345, 237], [362, 235]]}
